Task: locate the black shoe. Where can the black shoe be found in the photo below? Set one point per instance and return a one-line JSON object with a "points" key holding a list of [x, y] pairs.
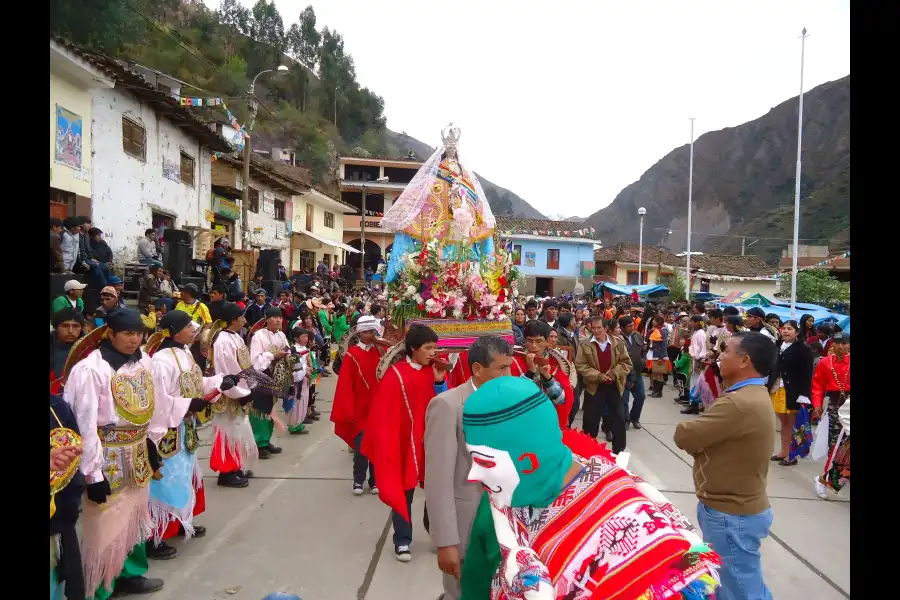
{"points": [[308, 421], [693, 409], [315, 417], [265, 453], [161, 552], [199, 531], [776, 458], [303, 431], [784, 462], [314, 411], [246, 474], [275, 449], [609, 436], [136, 585], [232, 480], [637, 425]]}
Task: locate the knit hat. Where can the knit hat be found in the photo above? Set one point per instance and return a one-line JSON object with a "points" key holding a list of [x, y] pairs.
{"points": [[273, 311], [230, 312], [124, 319], [512, 414], [175, 321]]}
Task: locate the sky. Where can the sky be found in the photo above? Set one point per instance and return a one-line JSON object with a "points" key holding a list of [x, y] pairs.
{"points": [[566, 103]]}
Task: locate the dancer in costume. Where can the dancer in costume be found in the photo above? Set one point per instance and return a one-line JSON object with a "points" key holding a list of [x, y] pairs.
{"points": [[234, 450], [394, 437], [111, 393], [831, 380], [181, 391], [572, 526], [545, 369], [697, 350], [270, 353], [295, 409], [353, 397], [66, 488]]}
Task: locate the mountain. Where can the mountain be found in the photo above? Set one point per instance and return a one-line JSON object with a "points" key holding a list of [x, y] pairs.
{"points": [[744, 183], [501, 200]]}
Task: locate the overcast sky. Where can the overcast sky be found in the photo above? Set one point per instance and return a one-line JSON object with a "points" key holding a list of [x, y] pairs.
{"points": [[565, 103]]}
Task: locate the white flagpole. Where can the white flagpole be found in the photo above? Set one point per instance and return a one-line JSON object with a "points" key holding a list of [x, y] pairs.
{"points": [[687, 284], [803, 37]]}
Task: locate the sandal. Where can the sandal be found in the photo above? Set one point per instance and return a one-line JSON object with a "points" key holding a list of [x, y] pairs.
{"points": [[776, 458], [784, 462]]}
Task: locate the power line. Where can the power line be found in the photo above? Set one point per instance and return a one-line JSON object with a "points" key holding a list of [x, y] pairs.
{"points": [[755, 237]]}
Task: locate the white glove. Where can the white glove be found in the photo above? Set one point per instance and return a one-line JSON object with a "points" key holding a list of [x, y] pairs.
{"points": [[803, 400]]}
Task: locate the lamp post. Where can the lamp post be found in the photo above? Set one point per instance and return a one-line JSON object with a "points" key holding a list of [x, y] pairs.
{"points": [[362, 231], [245, 196], [803, 37], [687, 269], [641, 211]]}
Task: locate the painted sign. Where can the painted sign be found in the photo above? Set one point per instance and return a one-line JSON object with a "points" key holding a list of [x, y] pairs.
{"points": [[171, 170], [268, 205], [68, 138], [225, 208], [279, 230], [530, 259]]}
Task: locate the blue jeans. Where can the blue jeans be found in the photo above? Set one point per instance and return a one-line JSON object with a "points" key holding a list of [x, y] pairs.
{"points": [[639, 395], [151, 261], [737, 538]]}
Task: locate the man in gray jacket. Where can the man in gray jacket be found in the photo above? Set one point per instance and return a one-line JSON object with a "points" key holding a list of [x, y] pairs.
{"points": [[451, 498]]}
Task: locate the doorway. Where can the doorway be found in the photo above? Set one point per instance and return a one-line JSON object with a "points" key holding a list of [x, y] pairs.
{"points": [[543, 286]]}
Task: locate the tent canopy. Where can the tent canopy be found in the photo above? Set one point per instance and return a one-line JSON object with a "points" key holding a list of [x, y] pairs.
{"points": [[624, 290], [784, 313], [746, 299]]}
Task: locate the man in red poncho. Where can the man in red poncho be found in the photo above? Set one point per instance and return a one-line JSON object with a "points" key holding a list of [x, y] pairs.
{"points": [[394, 438], [550, 377], [353, 398]]}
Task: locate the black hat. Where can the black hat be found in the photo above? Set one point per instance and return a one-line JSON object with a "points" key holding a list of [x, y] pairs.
{"points": [[273, 311], [259, 291], [125, 319], [230, 312], [756, 312], [840, 337], [175, 321], [191, 289]]}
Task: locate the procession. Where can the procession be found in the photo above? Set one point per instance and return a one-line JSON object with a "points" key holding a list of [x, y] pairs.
{"points": [[296, 355]]}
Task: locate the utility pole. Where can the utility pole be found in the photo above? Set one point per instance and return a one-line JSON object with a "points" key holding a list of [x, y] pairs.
{"points": [[335, 110], [245, 197], [743, 239], [687, 284], [362, 235], [803, 37]]}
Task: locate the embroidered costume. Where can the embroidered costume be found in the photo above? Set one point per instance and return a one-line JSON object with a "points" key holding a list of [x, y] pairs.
{"points": [[264, 346], [66, 489], [831, 380]]}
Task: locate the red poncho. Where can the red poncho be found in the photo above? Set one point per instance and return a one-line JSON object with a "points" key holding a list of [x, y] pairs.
{"points": [[520, 367], [394, 439], [354, 393]]}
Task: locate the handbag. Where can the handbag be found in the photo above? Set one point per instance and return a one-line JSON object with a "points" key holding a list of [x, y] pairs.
{"points": [[819, 448]]}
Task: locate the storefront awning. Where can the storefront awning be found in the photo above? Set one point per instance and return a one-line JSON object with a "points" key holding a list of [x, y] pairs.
{"points": [[327, 242]]}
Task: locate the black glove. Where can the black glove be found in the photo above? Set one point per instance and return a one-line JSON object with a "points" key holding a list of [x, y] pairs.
{"points": [[198, 405], [246, 400], [228, 382], [294, 351], [99, 492], [153, 455]]}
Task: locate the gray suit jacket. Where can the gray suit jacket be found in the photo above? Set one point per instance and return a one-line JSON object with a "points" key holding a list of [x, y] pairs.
{"points": [[452, 500]]}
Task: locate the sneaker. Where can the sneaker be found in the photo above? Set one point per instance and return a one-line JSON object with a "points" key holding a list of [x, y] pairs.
{"points": [[373, 490], [357, 489], [821, 489], [402, 553], [637, 425]]}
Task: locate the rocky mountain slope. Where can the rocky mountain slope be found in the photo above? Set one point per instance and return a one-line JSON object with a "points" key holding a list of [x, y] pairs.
{"points": [[744, 183]]}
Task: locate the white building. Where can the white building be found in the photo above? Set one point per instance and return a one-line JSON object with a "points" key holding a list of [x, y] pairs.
{"points": [[318, 232], [151, 160]]}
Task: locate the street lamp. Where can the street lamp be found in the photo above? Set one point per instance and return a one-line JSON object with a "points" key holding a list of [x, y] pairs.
{"points": [[245, 196], [803, 37], [641, 211], [362, 231]]}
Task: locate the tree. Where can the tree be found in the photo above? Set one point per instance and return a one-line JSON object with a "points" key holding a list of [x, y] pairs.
{"points": [[303, 44], [818, 287], [675, 282], [267, 33]]}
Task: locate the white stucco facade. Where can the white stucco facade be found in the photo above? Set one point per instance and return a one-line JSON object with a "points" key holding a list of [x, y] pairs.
{"points": [[265, 231], [126, 190]]}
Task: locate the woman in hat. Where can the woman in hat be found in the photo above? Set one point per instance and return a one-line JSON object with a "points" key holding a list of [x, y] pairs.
{"points": [[180, 391]]}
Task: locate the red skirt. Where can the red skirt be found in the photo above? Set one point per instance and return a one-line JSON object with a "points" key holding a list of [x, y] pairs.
{"points": [[221, 460], [174, 527]]}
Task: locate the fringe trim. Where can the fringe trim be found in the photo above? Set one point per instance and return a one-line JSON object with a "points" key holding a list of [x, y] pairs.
{"points": [[102, 555], [237, 437]]}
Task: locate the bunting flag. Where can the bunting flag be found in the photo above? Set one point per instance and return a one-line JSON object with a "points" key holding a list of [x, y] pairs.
{"points": [[587, 232], [374, 213], [194, 101], [821, 263]]}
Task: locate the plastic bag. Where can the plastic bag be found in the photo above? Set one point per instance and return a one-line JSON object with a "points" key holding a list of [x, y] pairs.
{"points": [[802, 436], [819, 448]]}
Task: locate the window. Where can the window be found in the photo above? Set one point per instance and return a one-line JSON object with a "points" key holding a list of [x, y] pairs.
{"points": [[552, 259], [279, 210], [133, 139], [253, 195], [632, 278], [517, 254], [309, 216], [187, 169], [307, 261], [329, 220]]}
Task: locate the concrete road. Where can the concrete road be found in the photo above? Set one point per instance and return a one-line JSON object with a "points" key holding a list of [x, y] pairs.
{"points": [[297, 528]]}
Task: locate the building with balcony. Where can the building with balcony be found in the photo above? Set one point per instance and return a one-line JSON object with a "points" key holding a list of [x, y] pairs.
{"points": [[552, 255], [366, 195], [318, 232]]}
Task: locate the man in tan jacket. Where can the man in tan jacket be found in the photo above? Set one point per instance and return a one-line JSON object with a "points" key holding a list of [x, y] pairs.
{"points": [[451, 498], [603, 364], [731, 443]]}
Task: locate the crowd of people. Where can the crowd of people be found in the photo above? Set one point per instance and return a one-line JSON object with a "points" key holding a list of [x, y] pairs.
{"points": [[230, 360]]}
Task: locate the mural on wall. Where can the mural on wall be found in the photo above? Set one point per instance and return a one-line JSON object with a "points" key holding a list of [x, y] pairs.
{"points": [[171, 170], [530, 259], [68, 138]]}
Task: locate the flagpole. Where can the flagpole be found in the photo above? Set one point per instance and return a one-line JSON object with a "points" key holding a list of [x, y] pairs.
{"points": [[803, 37], [687, 283]]}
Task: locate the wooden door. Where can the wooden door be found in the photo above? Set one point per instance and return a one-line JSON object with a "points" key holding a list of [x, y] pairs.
{"points": [[245, 264]]}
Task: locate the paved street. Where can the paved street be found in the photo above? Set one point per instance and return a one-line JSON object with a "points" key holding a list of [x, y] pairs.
{"points": [[297, 528]]}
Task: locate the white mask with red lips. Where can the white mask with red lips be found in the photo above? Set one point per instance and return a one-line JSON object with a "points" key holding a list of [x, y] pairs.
{"points": [[496, 472]]}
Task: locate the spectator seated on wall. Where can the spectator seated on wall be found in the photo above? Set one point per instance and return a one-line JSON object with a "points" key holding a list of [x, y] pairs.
{"points": [[74, 290], [147, 249]]}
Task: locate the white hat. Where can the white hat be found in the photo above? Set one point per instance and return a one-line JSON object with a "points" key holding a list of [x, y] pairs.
{"points": [[369, 323], [74, 284]]}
